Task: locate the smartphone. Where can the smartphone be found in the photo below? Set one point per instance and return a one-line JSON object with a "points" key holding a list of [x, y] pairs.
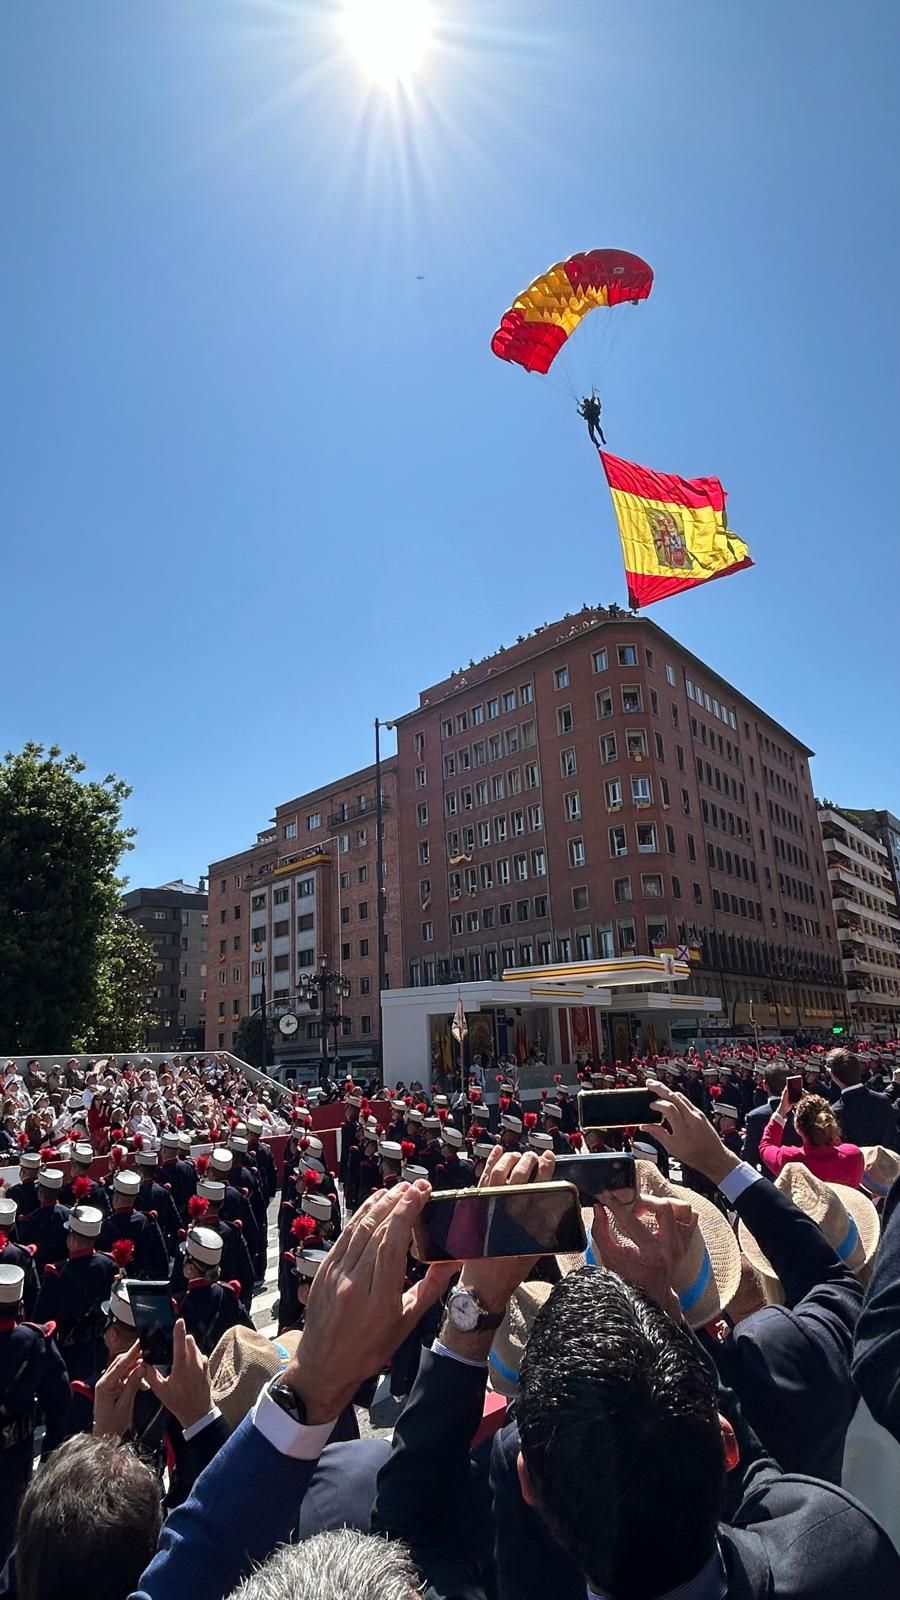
{"points": [[616, 1108], [528, 1219], [154, 1319], [607, 1172], [795, 1089]]}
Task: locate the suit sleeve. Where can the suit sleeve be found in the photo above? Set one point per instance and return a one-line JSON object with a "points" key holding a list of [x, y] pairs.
{"points": [[876, 1348], [199, 1451], [798, 1250], [421, 1491], [243, 1506]]}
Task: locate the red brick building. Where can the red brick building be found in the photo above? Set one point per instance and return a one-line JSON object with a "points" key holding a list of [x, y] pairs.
{"points": [[596, 790], [307, 889]]}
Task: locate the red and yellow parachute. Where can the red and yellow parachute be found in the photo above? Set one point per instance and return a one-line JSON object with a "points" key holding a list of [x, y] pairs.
{"points": [[539, 321]]}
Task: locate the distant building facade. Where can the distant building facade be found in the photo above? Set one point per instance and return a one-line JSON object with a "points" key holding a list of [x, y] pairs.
{"points": [[866, 908], [174, 918]]}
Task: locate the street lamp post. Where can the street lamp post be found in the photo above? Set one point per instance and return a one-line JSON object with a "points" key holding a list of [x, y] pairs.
{"points": [[325, 989]]}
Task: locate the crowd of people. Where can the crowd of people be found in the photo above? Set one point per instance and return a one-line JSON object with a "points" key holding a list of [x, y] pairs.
{"points": [[703, 1402]]}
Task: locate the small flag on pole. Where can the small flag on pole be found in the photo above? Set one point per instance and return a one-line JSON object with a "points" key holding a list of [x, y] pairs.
{"points": [[459, 1026], [674, 531]]}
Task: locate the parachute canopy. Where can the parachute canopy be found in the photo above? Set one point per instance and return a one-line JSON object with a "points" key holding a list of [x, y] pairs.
{"points": [[538, 323]]}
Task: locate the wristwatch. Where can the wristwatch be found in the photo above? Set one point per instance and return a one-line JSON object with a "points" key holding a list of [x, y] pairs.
{"points": [[466, 1314], [285, 1397]]}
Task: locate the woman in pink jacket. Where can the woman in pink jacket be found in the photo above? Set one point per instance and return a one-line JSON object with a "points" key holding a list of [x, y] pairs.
{"points": [[822, 1149]]}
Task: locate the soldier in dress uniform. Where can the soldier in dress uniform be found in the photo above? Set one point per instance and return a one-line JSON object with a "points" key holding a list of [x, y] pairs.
{"points": [[73, 1294], [390, 1155], [725, 1121], [262, 1158], [25, 1191], [453, 1171], [352, 1110], [236, 1207], [511, 1131], [430, 1153], [351, 1156], [155, 1200], [147, 1432], [481, 1150], [236, 1266], [369, 1166], [13, 1254], [33, 1383], [46, 1227], [245, 1178], [82, 1189], [209, 1305], [508, 1100], [552, 1120], [176, 1174], [396, 1128], [126, 1225]]}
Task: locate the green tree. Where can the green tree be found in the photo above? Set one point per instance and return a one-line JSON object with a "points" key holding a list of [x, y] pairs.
{"points": [[126, 973], [252, 1042], [61, 841]]}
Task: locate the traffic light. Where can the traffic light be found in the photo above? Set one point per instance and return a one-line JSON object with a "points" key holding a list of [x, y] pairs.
{"points": [[838, 1028]]}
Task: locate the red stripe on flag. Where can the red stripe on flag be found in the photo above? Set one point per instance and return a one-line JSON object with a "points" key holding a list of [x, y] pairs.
{"points": [[667, 486], [645, 587]]}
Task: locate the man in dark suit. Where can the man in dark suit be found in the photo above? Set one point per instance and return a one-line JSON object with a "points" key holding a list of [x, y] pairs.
{"points": [[865, 1117], [251, 1497], [876, 1350], [775, 1080], [789, 1364]]}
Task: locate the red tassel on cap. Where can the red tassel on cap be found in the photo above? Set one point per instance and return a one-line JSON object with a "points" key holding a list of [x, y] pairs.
{"points": [[503, 1102], [179, 1121], [407, 1099], [557, 1077], [530, 1119], [47, 1154], [4, 1240], [81, 1188], [442, 1113], [475, 1097], [407, 1148], [22, 1141], [302, 1227], [311, 1179], [138, 1141], [197, 1207], [575, 1140], [117, 1155], [201, 1166], [122, 1252]]}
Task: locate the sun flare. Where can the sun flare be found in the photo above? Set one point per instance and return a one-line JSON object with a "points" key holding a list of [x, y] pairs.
{"points": [[389, 38]]}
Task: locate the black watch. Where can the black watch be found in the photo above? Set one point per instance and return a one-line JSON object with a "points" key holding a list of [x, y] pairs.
{"points": [[289, 1401]]}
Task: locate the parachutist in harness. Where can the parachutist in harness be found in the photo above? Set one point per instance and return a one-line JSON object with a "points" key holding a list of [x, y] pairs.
{"points": [[590, 409]]}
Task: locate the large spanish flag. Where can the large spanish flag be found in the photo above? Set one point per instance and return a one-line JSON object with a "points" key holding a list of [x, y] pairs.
{"points": [[674, 531]]}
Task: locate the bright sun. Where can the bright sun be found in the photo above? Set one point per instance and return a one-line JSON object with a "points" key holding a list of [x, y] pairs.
{"points": [[388, 37]]}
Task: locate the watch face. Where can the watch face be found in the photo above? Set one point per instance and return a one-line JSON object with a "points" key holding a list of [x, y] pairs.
{"points": [[462, 1309], [288, 1024]]}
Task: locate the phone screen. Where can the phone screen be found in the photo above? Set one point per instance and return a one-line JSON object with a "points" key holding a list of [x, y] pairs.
{"points": [[795, 1089], [531, 1219], [154, 1319], [594, 1176], [617, 1108]]}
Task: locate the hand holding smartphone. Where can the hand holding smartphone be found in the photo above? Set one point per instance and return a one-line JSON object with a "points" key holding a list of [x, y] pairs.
{"points": [[529, 1219], [154, 1320], [617, 1108], [795, 1089]]}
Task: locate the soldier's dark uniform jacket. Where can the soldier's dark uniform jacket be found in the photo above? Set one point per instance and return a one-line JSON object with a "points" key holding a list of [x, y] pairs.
{"points": [[369, 1176], [155, 1200], [262, 1158], [210, 1309], [430, 1155], [33, 1384], [72, 1295], [561, 1145], [16, 1255], [148, 1430], [26, 1198], [350, 1173], [149, 1259], [46, 1229], [236, 1207], [235, 1265], [96, 1195], [453, 1173], [180, 1178], [348, 1143]]}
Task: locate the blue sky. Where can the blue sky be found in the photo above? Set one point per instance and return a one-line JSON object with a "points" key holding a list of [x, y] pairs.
{"points": [[262, 483]]}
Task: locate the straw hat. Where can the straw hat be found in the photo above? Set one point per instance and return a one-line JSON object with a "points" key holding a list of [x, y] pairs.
{"points": [[241, 1363], [505, 1356], [710, 1273], [847, 1218], [882, 1168]]}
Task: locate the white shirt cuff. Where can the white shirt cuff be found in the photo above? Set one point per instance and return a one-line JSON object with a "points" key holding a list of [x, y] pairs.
{"points": [[734, 1183], [289, 1438], [201, 1423], [777, 1117], [439, 1349]]}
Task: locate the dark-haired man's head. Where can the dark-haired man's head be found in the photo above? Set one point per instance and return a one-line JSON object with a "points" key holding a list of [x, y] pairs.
{"points": [[88, 1523], [776, 1078], [622, 1444], [844, 1067]]}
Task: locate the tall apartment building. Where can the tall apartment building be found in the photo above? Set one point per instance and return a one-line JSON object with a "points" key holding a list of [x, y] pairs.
{"points": [[174, 919], [596, 790], [886, 827], [307, 889], [867, 915]]}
